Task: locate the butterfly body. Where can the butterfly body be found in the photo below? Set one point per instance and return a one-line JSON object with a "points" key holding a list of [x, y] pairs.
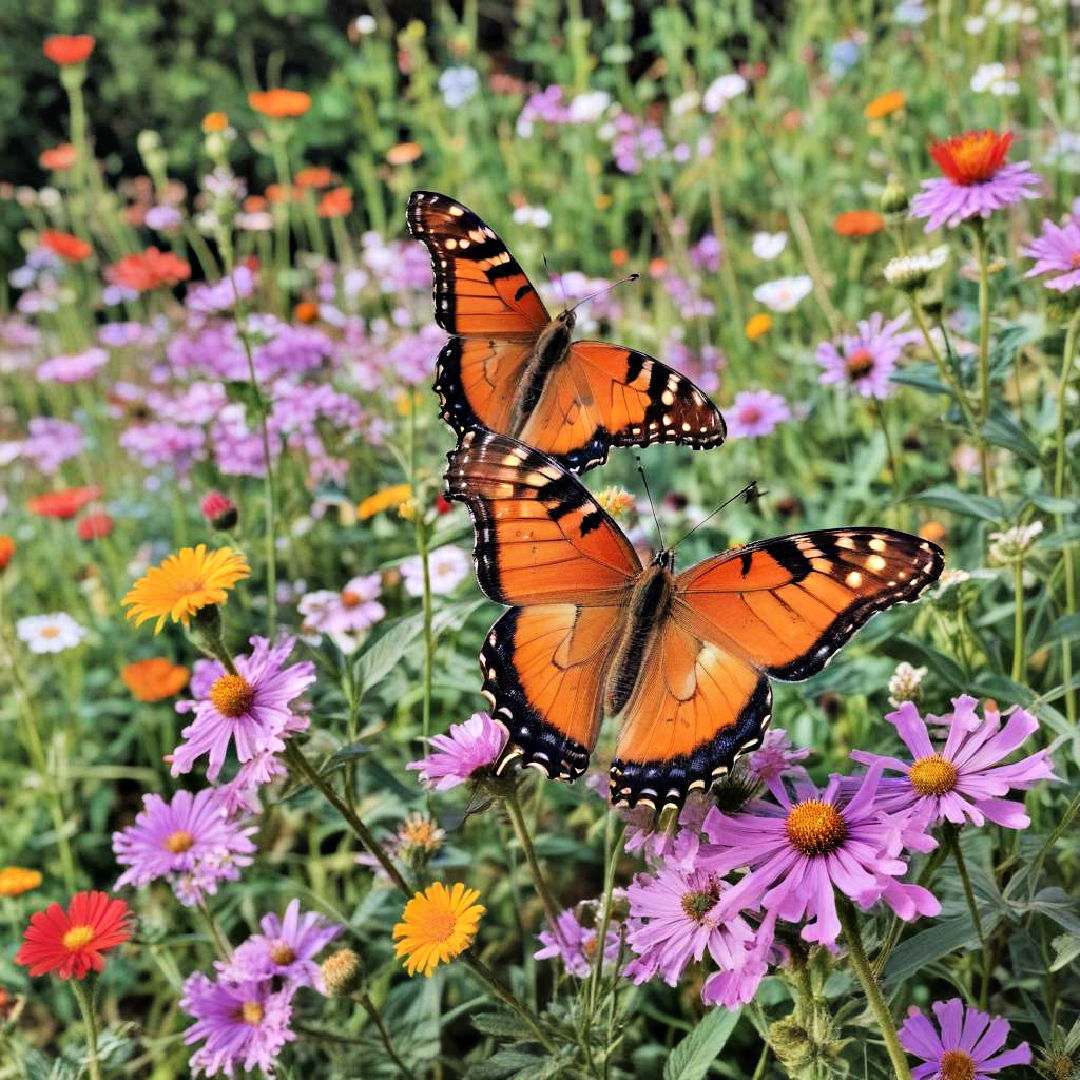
{"points": [[512, 368], [680, 661]]}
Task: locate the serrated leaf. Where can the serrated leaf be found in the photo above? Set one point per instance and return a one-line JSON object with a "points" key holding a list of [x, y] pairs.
{"points": [[502, 1024], [966, 503], [1066, 950], [691, 1058], [385, 652]]}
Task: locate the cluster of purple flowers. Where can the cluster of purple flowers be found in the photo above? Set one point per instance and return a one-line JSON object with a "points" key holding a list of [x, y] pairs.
{"points": [[243, 1016]]}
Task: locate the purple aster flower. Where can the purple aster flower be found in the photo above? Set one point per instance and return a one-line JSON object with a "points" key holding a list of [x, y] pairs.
{"points": [[464, 751], [675, 848], [285, 949], [1057, 251], [677, 916], [707, 253], [576, 941], [51, 442], [221, 295], [962, 780], [162, 442], [756, 413], [163, 218], [967, 1044], [800, 851], [250, 707], [864, 361], [73, 367], [774, 760], [241, 793], [122, 335], [732, 987], [977, 180], [191, 842], [244, 1024]]}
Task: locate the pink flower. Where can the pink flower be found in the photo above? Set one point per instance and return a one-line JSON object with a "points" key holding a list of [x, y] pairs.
{"points": [[967, 1044], [674, 848], [802, 850], [575, 942], [1057, 251], [755, 413], [466, 750], [774, 760], [74, 367], [961, 781], [864, 361], [976, 182]]}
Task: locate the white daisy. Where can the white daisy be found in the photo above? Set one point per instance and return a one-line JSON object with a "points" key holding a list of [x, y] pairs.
{"points": [[767, 246], [51, 633], [447, 565], [784, 294]]}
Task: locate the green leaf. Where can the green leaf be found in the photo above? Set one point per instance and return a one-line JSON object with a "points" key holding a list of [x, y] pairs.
{"points": [[1002, 430], [386, 652], [1067, 628], [242, 392], [691, 1058], [1053, 505], [944, 937], [503, 1024], [963, 502]]}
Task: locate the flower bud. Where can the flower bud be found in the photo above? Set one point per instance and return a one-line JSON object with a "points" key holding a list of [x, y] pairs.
{"points": [[219, 510], [894, 198], [148, 142], [342, 972]]}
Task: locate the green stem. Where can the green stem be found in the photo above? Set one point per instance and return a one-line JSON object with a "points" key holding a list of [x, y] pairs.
{"points": [[943, 368], [849, 920], [613, 851], [375, 1016], [508, 998], [1068, 358], [1018, 621], [982, 253], [521, 830], [295, 759], [86, 1008], [952, 835]]}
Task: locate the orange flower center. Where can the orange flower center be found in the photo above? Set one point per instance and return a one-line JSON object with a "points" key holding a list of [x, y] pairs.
{"points": [[350, 599], [232, 695], [932, 775], [439, 925], [859, 364], [816, 827], [251, 1012], [78, 937], [1075, 260], [180, 841], [50, 631], [956, 1065], [282, 954], [972, 158]]}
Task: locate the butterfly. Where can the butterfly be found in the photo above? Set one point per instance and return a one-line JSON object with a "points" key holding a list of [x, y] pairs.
{"points": [[510, 367], [682, 661]]}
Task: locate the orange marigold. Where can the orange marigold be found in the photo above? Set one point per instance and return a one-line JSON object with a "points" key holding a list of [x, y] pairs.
{"points": [[149, 269], [280, 104], [69, 247], [758, 324], [154, 679], [214, 122], [65, 503], [858, 223], [307, 311], [314, 176], [336, 203], [404, 153], [58, 158], [7, 550], [15, 880], [885, 105], [66, 49]]}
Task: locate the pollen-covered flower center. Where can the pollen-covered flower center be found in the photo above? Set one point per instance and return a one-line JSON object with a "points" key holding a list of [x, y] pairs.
{"points": [[420, 834], [860, 362], [1075, 259], [232, 695], [282, 954], [439, 925], [816, 827], [956, 1065], [179, 841], [351, 599], [932, 775], [251, 1012], [50, 631], [699, 903], [750, 414], [78, 937]]}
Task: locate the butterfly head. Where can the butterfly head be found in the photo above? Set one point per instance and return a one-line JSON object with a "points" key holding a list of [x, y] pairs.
{"points": [[567, 318], [665, 559]]}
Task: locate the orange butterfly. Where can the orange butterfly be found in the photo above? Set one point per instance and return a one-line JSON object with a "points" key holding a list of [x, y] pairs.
{"points": [[511, 368], [682, 660]]}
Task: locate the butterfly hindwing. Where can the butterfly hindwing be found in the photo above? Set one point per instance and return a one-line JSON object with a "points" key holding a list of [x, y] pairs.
{"points": [[788, 604], [476, 380], [479, 287]]}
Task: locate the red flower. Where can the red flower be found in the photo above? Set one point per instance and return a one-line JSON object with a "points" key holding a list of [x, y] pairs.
{"points": [[858, 223], [443, 505], [149, 269], [71, 942], [336, 203], [65, 245], [64, 50], [219, 510], [972, 157], [65, 503], [314, 176], [280, 104], [7, 550], [94, 527], [58, 158]]}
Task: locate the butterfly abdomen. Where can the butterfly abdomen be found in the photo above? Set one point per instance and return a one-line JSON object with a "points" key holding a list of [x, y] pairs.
{"points": [[552, 349], [649, 605]]}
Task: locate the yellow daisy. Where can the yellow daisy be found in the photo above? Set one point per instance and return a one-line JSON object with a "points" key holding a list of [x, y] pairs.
{"points": [[183, 583], [437, 925], [385, 499], [15, 880]]}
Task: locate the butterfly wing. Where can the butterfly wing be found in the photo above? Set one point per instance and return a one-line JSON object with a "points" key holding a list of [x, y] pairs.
{"points": [[479, 287], [477, 380], [544, 546], [779, 608], [607, 395]]}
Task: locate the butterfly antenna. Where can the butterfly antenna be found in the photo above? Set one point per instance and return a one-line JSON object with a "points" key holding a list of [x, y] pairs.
{"points": [[749, 493], [556, 281], [607, 288], [652, 505]]}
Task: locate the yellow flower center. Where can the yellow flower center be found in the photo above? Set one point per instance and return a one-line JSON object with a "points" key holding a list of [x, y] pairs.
{"points": [[282, 954], [816, 827], [932, 775], [251, 1012], [78, 937], [180, 841], [50, 631], [439, 925], [859, 364], [698, 904], [956, 1065], [232, 695], [419, 834]]}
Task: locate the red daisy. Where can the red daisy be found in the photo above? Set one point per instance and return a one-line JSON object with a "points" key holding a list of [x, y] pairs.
{"points": [[65, 503], [71, 942]]}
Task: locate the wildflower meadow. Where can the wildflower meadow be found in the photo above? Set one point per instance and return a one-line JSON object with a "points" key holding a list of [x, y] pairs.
{"points": [[768, 767]]}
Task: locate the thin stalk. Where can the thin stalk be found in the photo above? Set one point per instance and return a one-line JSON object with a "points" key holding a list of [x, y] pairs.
{"points": [[982, 254], [849, 920], [1068, 358], [86, 1008], [220, 943], [521, 830], [375, 1016], [508, 998], [894, 472], [425, 564], [612, 850], [295, 759], [953, 839], [1018, 620], [943, 369]]}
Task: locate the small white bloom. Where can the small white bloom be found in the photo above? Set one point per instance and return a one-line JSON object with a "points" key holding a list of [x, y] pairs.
{"points": [[1013, 543], [536, 216], [365, 25], [723, 90], [784, 294], [589, 106], [448, 566], [950, 578], [905, 684], [685, 102], [767, 246], [975, 25], [992, 78], [49, 633], [913, 271]]}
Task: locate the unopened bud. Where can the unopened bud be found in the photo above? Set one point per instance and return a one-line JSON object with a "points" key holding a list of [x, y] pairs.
{"points": [[219, 510], [341, 972], [894, 199]]}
